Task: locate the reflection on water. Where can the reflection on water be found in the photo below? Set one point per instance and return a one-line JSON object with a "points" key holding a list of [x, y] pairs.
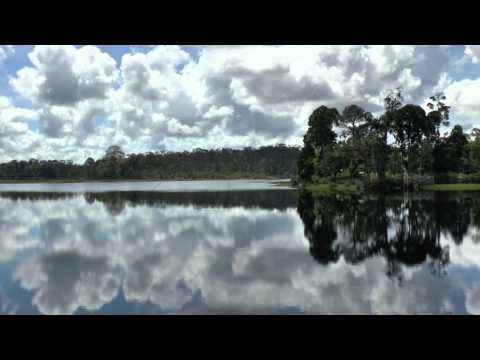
{"points": [[404, 231], [238, 252]]}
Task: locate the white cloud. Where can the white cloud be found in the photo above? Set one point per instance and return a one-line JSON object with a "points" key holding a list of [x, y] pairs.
{"points": [[6, 51], [175, 127], [65, 75], [463, 96], [292, 80], [16, 138], [473, 301], [70, 90], [222, 111], [260, 93], [473, 51], [11, 118], [163, 98], [153, 76]]}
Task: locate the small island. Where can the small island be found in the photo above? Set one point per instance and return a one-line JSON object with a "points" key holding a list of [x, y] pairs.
{"points": [[402, 149]]}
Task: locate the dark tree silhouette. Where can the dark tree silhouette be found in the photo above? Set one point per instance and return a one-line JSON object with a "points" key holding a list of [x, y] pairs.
{"points": [[405, 231]]}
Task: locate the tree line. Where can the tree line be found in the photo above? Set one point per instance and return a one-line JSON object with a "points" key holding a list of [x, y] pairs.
{"points": [[266, 161], [403, 146]]}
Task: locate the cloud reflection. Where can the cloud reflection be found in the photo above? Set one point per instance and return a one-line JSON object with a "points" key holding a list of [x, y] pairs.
{"points": [[218, 255]]}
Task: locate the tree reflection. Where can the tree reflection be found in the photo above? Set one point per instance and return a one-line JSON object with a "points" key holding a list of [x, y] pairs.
{"points": [[35, 196], [116, 202], [319, 227], [454, 214], [404, 230]]}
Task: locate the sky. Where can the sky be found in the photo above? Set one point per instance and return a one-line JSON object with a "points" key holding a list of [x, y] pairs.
{"points": [[71, 102]]}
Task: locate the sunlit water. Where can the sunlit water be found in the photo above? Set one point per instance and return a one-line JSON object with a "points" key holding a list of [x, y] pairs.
{"points": [[265, 251]]}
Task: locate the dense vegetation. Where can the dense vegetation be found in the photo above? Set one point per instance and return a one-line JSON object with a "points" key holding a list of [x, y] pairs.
{"points": [[401, 148], [266, 161]]}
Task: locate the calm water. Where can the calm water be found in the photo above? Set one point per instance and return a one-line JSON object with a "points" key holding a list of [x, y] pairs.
{"points": [[119, 250], [163, 186]]}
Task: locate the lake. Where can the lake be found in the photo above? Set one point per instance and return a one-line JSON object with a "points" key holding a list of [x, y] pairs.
{"points": [[235, 247]]}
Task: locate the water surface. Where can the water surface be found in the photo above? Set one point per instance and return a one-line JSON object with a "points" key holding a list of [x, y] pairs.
{"points": [[163, 186], [237, 252]]}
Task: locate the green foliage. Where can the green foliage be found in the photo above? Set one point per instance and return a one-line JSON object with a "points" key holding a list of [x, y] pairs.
{"points": [[114, 152], [334, 188], [474, 151], [453, 187], [410, 126], [354, 119], [320, 124], [333, 162], [305, 163], [267, 161], [319, 137], [362, 151], [451, 153]]}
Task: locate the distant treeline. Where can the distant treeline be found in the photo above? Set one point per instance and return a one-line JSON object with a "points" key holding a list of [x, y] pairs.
{"points": [[266, 161]]}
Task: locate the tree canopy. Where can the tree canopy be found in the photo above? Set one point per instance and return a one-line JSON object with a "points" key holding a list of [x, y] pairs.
{"points": [[268, 161], [362, 151]]}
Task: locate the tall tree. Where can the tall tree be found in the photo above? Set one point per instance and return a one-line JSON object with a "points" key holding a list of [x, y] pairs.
{"points": [[474, 150], [319, 137], [410, 126], [354, 119], [356, 122], [439, 112], [114, 152], [457, 143], [381, 127], [320, 133]]}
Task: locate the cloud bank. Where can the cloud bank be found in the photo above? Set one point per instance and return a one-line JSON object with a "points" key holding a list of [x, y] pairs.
{"points": [[76, 101]]}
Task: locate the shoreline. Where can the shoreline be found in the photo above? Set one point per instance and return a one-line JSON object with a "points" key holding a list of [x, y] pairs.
{"points": [[316, 188], [452, 187], [353, 188]]}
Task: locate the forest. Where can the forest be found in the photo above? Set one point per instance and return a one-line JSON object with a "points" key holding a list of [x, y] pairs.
{"points": [[264, 162], [402, 148]]}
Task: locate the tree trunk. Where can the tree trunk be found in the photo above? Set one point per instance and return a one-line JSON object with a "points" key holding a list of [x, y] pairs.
{"points": [[382, 159], [405, 170]]}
